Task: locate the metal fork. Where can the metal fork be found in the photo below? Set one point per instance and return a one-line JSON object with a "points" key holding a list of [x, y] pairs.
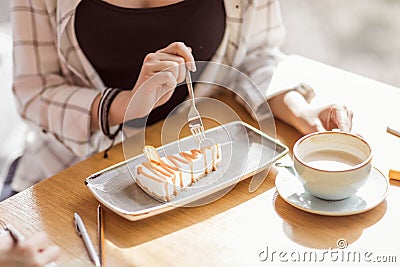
{"points": [[15, 235], [194, 119]]}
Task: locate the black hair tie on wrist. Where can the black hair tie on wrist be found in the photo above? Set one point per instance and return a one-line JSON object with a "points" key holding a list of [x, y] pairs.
{"points": [[106, 100]]}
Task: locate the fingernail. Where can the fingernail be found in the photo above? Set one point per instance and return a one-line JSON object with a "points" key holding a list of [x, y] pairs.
{"points": [[193, 67]]}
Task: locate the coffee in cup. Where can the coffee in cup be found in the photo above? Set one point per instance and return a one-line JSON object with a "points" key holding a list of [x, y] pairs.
{"points": [[332, 165]]}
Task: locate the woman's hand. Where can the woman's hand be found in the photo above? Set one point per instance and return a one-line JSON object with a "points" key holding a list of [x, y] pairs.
{"points": [[325, 118], [33, 252], [160, 73], [292, 108]]}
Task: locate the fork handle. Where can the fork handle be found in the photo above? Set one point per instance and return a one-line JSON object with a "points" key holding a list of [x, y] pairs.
{"points": [[190, 86]]}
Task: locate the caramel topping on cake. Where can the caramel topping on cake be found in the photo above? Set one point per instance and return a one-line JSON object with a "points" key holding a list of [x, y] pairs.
{"points": [[159, 175]]}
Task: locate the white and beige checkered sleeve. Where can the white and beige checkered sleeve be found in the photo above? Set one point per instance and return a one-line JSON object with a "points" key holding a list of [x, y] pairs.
{"points": [[44, 95]]}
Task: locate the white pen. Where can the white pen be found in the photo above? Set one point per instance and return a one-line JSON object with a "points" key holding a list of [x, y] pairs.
{"points": [[81, 230]]}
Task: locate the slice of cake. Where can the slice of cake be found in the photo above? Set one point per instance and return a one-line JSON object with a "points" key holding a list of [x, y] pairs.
{"points": [[163, 178]]}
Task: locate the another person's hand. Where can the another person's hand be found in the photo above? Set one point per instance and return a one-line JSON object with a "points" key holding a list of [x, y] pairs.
{"points": [[160, 74], [33, 252]]}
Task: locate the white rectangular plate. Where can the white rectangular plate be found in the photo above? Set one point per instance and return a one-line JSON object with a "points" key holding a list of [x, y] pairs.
{"points": [[245, 151]]}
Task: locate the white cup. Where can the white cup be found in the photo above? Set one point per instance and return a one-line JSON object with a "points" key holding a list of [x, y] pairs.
{"points": [[332, 165]]}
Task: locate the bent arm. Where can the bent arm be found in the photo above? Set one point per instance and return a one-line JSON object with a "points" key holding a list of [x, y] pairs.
{"points": [[45, 96]]}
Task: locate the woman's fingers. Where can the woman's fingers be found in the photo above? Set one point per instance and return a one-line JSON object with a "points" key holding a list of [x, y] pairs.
{"points": [[180, 49], [342, 117], [161, 72], [179, 60], [174, 58], [332, 117], [160, 66], [156, 62]]}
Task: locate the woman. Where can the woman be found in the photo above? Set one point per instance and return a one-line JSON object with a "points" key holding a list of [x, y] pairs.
{"points": [[78, 64]]}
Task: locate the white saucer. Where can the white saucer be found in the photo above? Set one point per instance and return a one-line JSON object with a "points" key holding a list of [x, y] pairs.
{"points": [[372, 193]]}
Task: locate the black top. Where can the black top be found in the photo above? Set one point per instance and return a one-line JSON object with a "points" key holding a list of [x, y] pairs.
{"points": [[116, 39]]}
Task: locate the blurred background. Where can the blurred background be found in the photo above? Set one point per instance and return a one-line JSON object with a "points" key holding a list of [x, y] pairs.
{"points": [[356, 35]]}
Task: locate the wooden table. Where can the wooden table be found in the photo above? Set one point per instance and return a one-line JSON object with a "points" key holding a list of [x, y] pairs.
{"points": [[237, 229]]}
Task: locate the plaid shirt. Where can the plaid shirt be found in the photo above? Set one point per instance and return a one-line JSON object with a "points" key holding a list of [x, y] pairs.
{"points": [[55, 85]]}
